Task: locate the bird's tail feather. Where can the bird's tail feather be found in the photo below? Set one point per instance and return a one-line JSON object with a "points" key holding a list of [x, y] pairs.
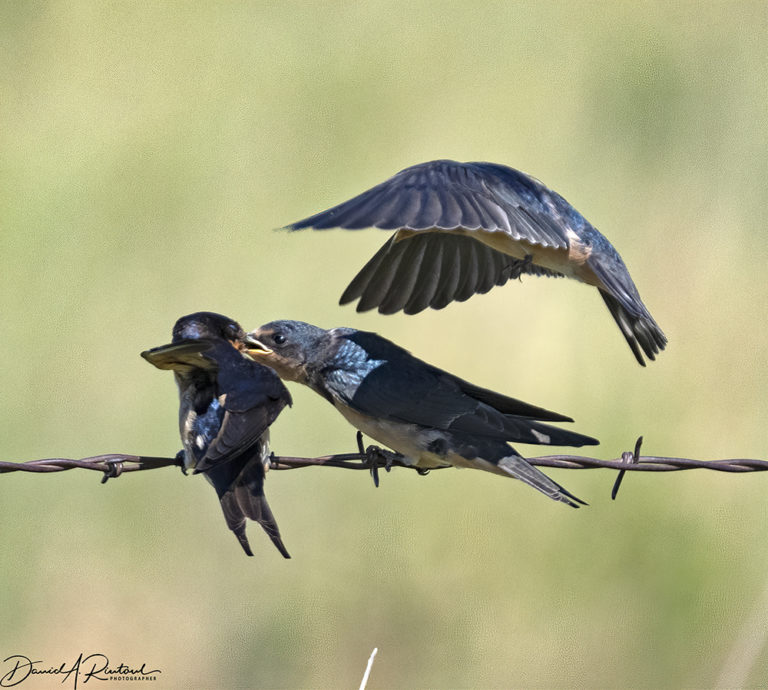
{"points": [[235, 519], [241, 503], [639, 330], [620, 295], [243, 498], [518, 468], [249, 493]]}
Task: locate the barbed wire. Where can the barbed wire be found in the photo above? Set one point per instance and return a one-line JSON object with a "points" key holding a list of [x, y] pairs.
{"points": [[373, 458]]}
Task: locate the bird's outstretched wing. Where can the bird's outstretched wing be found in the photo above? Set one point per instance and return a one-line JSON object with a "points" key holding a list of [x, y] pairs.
{"points": [[432, 270], [449, 218], [448, 195]]}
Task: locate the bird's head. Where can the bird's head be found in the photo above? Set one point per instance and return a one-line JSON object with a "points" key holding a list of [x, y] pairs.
{"points": [[291, 348], [193, 335], [209, 325]]}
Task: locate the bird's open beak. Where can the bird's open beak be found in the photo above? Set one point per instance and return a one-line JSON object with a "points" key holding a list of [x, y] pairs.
{"points": [[254, 347]]}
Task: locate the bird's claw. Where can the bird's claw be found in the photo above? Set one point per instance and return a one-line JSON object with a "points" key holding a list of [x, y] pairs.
{"points": [[374, 457], [524, 266], [180, 456], [368, 458], [520, 266]]}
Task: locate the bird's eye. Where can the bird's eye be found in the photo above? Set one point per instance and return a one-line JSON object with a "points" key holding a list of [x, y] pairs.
{"points": [[278, 338]]}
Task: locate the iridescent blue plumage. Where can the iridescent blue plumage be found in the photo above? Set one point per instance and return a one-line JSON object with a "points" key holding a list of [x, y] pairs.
{"points": [[462, 228], [350, 363], [203, 432], [432, 418]]}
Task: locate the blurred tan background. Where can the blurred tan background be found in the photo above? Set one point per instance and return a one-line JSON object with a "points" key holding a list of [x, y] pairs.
{"points": [[149, 151]]}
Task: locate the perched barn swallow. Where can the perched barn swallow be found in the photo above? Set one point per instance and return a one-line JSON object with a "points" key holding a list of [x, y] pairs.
{"points": [[432, 418], [461, 228], [227, 402]]}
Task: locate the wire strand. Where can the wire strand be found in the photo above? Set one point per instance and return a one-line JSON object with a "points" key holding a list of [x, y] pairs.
{"points": [[373, 458]]}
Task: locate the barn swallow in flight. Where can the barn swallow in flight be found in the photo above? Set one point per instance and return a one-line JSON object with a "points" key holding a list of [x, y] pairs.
{"points": [[432, 418], [461, 228], [227, 402]]}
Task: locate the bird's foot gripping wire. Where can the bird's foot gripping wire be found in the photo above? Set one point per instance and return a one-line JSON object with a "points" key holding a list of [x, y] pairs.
{"points": [[180, 456], [374, 457]]}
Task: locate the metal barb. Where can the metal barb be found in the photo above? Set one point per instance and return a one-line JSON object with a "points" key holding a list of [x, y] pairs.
{"points": [[630, 458], [112, 470], [374, 457], [370, 458]]}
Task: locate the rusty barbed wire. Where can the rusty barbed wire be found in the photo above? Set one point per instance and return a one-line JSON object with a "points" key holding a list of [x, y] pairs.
{"points": [[373, 458]]}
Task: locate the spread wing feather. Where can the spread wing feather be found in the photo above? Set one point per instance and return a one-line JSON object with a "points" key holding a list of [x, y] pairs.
{"points": [[432, 270], [448, 195]]}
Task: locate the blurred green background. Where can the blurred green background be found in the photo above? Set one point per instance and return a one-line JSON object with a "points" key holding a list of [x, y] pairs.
{"points": [[148, 151]]}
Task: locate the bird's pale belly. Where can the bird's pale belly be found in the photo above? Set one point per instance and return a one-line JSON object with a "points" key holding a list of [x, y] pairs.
{"points": [[409, 440]]}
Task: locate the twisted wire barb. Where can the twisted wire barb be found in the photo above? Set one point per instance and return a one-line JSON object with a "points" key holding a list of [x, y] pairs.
{"points": [[373, 458]]}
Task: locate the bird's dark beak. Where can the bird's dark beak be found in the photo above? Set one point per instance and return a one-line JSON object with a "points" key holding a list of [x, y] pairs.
{"points": [[254, 347]]}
